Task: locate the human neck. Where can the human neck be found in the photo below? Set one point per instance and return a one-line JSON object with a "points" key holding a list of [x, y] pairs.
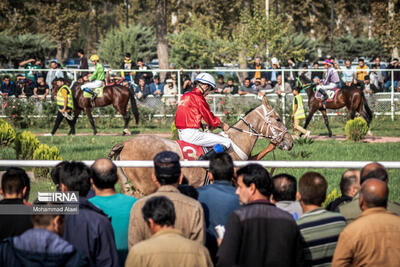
{"points": [[12, 196], [307, 208], [104, 192], [157, 228]]}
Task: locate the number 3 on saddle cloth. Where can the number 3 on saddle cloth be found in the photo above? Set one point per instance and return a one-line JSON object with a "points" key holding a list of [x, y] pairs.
{"points": [[98, 91], [332, 93]]}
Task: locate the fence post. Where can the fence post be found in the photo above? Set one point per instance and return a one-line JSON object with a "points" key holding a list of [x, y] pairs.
{"points": [[214, 104], [392, 96], [178, 81], [75, 72], [284, 98]]}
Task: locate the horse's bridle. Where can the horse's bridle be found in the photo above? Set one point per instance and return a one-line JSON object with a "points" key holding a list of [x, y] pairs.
{"points": [[299, 82], [271, 132]]}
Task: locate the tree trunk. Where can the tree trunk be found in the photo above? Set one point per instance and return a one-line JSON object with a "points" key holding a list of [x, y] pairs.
{"points": [[59, 51], [242, 65], [66, 49], [395, 51], [161, 34]]}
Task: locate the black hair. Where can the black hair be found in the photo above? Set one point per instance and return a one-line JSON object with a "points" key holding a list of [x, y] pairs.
{"points": [[221, 166], [161, 210], [20, 75], [220, 76], [366, 77], [360, 60], [257, 175], [379, 172], [45, 219], [81, 51], [76, 177], [346, 183], [105, 178], [312, 188], [14, 180], [140, 60], [230, 79], [6, 77], [284, 187], [127, 54], [55, 174], [247, 79], [188, 190], [156, 77]]}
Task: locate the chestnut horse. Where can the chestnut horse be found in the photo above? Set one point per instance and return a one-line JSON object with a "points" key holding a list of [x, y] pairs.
{"points": [[116, 95], [350, 97], [262, 121]]}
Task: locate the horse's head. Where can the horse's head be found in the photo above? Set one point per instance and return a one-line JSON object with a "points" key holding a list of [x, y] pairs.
{"points": [[304, 84], [276, 131]]}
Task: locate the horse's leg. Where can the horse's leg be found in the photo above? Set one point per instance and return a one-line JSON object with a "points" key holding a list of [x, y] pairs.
{"points": [[262, 154], [125, 114], [76, 115], [326, 122], [91, 120], [309, 116]]}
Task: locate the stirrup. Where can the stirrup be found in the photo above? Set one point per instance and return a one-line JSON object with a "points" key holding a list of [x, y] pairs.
{"points": [[214, 151]]}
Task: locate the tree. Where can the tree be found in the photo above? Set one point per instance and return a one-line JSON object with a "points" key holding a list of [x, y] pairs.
{"points": [[161, 34], [138, 40]]}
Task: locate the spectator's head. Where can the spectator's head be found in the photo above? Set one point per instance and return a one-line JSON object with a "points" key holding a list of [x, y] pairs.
{"points": [[167, 169], [350, 183], [257, 82], [246, 82], [128, 56], [15, 183], [80, 52], [295, 90], [75, 176], [142, 82], [156, 79], [263, 81], [361, 62], [258, 61], [374, 193], [172, 66], [220, 78], [274, 62], [53, 64], [51, 222], [80, 79], [170, 83], [374, 170], [60, 81], [6, 80], [284, 187], [20, 77], [312, 189], [230, 81], [104, 174], [316, 80], [38, 62], [140, 62], [40, 80], [366, 79], [125, 83], [55, 174], [348, 63], [396, 62], [159, 213], [254, 183], [188, 190], [377, 61], [316, 65], [332, 59], [221, 167], [279, 79]]}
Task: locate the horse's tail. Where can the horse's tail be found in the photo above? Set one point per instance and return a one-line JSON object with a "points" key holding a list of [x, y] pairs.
{"points": [[115, 151], [135, 109], [366, 113]]}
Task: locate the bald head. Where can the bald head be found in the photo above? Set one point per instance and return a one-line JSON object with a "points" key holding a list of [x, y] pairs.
{"points": [[374, 170], [350, 182], [104, 173], [374, 193]]}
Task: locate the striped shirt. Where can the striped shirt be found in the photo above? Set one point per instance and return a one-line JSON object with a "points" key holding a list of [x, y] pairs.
{"points": [[320, 229]]}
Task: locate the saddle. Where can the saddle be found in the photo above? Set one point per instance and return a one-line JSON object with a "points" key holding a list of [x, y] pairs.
{"points": [[98, 91], [332, 93], [190, 151]]}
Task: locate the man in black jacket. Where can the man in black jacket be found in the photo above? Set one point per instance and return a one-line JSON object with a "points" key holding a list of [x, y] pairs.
{"points": [[259, 234]]}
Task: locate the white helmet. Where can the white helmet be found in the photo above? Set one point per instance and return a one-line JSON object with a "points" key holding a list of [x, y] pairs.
{"points": [[205, 78]]}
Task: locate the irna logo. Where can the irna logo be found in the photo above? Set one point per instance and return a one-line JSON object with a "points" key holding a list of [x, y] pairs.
{"points": [[58, 197]]}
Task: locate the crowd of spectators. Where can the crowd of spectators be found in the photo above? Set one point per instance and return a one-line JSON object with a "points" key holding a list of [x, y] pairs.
{"points": [[243, 218]]}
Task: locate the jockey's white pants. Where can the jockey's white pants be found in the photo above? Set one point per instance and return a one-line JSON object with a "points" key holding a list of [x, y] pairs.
{"points": [[92, 85], [196, 137], [328, 86]]}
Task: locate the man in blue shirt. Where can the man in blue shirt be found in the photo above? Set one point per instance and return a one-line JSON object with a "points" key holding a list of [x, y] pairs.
{"points": [[7, 87], [117, 206], [156, 87], [218, 199]]}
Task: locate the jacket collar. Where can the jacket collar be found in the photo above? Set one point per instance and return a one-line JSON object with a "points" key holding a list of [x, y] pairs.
{"points": [[84, 203], [264, 202], [373, 211], [168, 231], [168, 188]]}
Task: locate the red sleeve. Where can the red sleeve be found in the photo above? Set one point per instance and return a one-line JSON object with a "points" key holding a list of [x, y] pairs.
{"points": [[207, 115]]}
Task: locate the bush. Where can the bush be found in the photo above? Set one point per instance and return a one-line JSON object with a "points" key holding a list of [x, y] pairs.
{"points": [[25, 144], [334, 194], [18, 112], [44, 152], [356, 129], [174, 132], [7, 134]]}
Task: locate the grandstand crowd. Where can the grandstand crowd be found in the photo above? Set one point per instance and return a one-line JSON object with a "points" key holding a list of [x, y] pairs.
{"points": [[243, 218], [371, 77]]}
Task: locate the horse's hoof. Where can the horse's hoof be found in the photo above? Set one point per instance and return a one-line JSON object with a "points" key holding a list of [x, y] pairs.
{"points": [[369, 133], [95, 132], [126, 132], [330, 135]]}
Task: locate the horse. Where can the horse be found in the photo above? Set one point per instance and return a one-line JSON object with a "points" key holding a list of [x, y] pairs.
{"points": [[350, 97], [116, 95], [263, 122]]}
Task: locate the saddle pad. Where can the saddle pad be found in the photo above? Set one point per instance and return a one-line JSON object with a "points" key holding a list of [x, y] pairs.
{"points": [[98, 91], [190, 151], [332, 93]]}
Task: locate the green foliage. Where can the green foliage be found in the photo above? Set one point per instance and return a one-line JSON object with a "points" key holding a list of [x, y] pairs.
{"points": [[174, 132], [25, 145], [20, 47], [138, 40], [18, 112], [145, 114], [356, 129], [7, 134], [44, 152], [303, 141], [334, 194]]}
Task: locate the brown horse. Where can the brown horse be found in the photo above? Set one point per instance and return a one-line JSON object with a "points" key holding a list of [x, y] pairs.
{"points": [[350, 97], [116, 95], [262, 121]]}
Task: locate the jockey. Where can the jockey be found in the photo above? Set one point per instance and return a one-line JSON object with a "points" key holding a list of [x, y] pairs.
{"points": [[191, 109], [96, 79], [330, 81]]}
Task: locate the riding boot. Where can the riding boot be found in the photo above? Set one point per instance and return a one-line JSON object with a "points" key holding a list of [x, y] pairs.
{"points": [[214, 151], [94, 95], [322, 91]]}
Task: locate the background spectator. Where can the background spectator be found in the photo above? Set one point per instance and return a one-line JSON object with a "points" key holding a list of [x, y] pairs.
{"points": [[278, 87], [14, 189], [30, 66], [7, 87], [382, 76], [170, 89], [156, 87], [372, 239], [90, 231], [24, 87], [291, 75], [318, 74], [220, 85], [349, 187], [83, 63], [272, 76], [41, 246], [259, 234], [284, 188], [396, 75], [257, 65], [168, 246], [369, 88], [128, 65], [187, 85], [218, 199], [230, 87], [264, 87], [361, 72], [53, 74], [348, 73], [142, 90], [147, 76], [374, 79], [246, 88], [189, 213], [117, 206], [320, 228], [41, 90]]}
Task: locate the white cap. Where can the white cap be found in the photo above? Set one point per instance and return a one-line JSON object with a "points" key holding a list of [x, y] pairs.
{"points": [[170, 81], [274, 61]]}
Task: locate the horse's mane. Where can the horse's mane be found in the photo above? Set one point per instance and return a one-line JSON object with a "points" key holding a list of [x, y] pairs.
{"points": [[304, 78]]}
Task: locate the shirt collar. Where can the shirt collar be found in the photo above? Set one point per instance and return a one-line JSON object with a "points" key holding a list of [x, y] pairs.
{"points": [[373, 211], [168, 231], [168, 188]]}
